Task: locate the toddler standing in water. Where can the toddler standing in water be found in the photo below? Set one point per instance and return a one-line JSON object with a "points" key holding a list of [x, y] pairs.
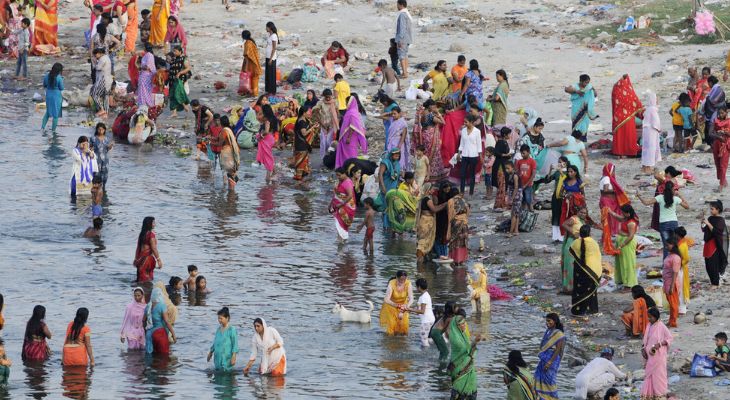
{"points": [[94, 231], [97, 194], [369, 223], [192, 274], [425, 309], [5, 365], [422, 165], [201, 285]]}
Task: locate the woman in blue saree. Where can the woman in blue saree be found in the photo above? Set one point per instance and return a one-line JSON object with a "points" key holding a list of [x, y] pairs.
{"points": [[551, 352], [388, 178], [158, 325], [582, 99]]}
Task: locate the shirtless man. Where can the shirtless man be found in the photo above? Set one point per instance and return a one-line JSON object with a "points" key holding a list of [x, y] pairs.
{"points": [[390, 79], [94, 231]]}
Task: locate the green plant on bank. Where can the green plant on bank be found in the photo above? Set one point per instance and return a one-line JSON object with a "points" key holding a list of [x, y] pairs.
{"points": [[668, 18]]}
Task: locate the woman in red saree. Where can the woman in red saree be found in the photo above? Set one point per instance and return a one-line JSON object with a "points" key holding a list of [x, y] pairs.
{"points": [[453, 122], [46, 25], [342, 205], [612, 195], [147, 257], [626, 105]]}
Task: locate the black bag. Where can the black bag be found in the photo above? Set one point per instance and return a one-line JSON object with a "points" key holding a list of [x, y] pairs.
{"points": [[527, 221], [295, 76]]}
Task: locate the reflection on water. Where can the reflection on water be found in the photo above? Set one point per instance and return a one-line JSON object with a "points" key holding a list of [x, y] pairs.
{"points": [[266, 251]]}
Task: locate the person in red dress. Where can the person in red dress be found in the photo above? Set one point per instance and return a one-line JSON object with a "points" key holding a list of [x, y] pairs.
{"points": [[626, 105], [721, 146], [147, 257]]}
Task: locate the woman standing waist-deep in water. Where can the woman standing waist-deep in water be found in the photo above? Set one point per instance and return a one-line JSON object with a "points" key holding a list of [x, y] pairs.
{"points": [[35, 347], [77, 350], [133, 322], [225, 345], [267, 341]]}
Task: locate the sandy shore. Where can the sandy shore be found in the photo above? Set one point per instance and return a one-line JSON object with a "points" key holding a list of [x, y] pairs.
{"points": [[533, 42]]}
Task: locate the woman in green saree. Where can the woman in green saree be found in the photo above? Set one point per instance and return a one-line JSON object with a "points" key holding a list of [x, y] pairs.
{"points": [[461, 369], [499, 99], [401, 209], [519, 380]]}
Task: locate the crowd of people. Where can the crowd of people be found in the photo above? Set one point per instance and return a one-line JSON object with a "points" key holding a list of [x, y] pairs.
{"points": [[460, 137]]}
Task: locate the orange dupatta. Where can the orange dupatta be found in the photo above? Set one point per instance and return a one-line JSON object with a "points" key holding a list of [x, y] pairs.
{"points": [[608, 247]]}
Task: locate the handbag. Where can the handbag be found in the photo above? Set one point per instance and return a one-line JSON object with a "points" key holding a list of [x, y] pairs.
{"points": [[244, 83]]}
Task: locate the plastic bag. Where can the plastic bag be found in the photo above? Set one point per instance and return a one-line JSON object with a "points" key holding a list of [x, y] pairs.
{"points": [[244, 83], [310, 73], [702, 367], [411, 93]]}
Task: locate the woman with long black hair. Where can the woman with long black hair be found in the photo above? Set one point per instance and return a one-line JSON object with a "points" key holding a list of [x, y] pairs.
{"points": [[716, 244], [147, 257], [35, 347], [586, 273], [77, 350], [53, 83], [272, 43], [667, 211]]}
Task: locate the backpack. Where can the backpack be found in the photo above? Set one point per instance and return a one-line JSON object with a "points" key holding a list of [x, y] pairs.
{"points": [[527, 221]]}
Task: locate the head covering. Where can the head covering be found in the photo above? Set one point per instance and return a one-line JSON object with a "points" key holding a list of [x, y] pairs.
{"points": [[178, 33], [609, 170], [393, 167], [651, 113], [156, 298], [270, 337], [352, 118]]}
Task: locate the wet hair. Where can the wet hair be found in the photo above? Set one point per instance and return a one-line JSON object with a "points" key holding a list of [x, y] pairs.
{"points": [[96, 179], [461, 58], [681, 232], [673, 241], [673, 172], [574, 168], [538, 122], [515, 361], [668, 194], [584, 78], [400, 273], [258, 321], [99, 125], [473, 65], [489, 149], [504, 131], [717, 204], [555, 318], [82, 315], [246, 35], [98, 223], [271, 26], [503, 74], [408, 175], [56, 70], [145, 12], [628, 209], [225, 122], [198, 279], [577, 134], [369, 201], [34, 327], [338, 77], [146, 227], [721, 336], [654, 312], [637, 291], [223, 312], [174, 281], [327, 92], [525, 147], [422, 283], [610, 393], [712, 80]]}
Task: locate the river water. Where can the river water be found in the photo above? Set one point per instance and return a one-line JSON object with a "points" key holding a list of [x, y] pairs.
{"points": [[266, 251]]}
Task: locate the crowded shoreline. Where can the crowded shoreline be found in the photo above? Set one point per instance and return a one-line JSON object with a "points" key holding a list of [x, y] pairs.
{"points": [[595, 164]]}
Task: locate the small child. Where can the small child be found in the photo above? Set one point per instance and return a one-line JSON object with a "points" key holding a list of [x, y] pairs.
{"points": [[688, 125], [409, 184], [425, 309], [527, 169], [422, 165], [721, 352], [144, 27], [192, 274], [94, 231], [215, 131], [5, 365], [369, 224], [97, 194], [393, 52], [677, 123], [23, 35], [514, 197], [488, 164], [201, 285], [390, 79]]}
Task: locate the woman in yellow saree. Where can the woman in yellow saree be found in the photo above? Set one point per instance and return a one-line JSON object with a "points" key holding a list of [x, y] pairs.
{"points": [[398, 298], [251, 62], [158, 18]]}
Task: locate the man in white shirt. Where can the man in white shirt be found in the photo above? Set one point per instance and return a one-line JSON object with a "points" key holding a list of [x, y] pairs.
{"points": [[425, 309], [470, 146], [597, 375]]}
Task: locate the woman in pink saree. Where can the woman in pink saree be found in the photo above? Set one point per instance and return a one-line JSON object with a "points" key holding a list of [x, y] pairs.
{"points": [[657, 339], [427, 133], [147, 71], [132, 324], [342, 205], [352, 134]]}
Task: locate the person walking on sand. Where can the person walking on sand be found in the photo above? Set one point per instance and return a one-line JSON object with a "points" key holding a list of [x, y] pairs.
{"points": [[403, 35], [582, 99]]}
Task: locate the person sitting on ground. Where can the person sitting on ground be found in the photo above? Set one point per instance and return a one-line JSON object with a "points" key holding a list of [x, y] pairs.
{"points": [[721, 352], [596, 375], [636, 317], [94, 231], [337, 57]]}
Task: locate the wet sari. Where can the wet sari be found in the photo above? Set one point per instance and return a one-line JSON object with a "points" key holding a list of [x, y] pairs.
{"points": [[458, 234], [546, 383], [230, 158], [225, 345], [302, 147], [401, 209], [582, 111], [426, 228], [145, 261], [74, 352], [352, 136], [461, 368], [586, 276], [35, 347], [343, 212], [389, 315], [132, 325], [521, 385], [272, 363], [391, 177], [156, 337], [397, 129]]}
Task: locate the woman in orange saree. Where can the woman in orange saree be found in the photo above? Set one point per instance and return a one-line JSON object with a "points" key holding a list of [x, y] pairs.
{"points": [[636, 317], [626, 105], [251, 62], [130, 39], [46, 25]]}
